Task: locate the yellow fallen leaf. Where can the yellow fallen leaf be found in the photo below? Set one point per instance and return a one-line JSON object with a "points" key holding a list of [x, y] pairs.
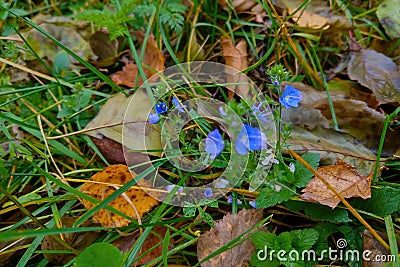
{"points": [[132, 202]]}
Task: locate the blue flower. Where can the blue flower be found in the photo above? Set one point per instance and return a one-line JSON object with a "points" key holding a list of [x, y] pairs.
{"points": [[221, 183], [253, 204], [154, 118], [214, 144], [208, 192], [250, 138], [171, 186], [275, 82], [161, 108], [178, 104], [290, 97], [238, 201], [260, 114], [222, 111]]}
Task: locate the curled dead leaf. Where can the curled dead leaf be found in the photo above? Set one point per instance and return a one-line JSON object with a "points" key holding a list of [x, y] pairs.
{"points": [[236, 57], [225, 230], [132, 202], [343, 178]]}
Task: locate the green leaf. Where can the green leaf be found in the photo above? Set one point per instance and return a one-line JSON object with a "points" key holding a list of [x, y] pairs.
{"points": [[389, 17], [189, 211], [302, 175], [318, 212], [100, 254], [383, 201], [284, 241], [269, 197], [304, 239], [60, 63], [261, 239]]}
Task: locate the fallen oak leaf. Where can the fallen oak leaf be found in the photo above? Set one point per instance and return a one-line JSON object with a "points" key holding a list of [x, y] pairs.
{"points": [[343, 178], [224, 231], [133, 202]]}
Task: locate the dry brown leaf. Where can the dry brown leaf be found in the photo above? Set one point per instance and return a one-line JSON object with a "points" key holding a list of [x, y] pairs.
{"points": [[153, 59], [370, 243], [377, 72], [245, 6], [79, 241], [343, 178], [156, 236], [225, 230], [316, 15], [110, 179], [236, 57]]}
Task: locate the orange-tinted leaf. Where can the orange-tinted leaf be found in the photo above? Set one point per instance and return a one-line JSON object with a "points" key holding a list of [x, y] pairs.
{"points": [[132, 201], [225, 230], [236, 57], [343, 178], [152, 60], [156, 236]]}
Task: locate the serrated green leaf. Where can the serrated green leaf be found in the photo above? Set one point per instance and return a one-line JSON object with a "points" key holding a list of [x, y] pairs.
{"points": [[283, 241], [383, 201], [100, 254], [318, 212], [304, 239], [269, 197], [302, 175], [261, 239]]}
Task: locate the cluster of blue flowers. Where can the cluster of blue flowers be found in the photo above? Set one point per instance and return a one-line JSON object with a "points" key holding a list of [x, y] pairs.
{"points": [[161, 108]]}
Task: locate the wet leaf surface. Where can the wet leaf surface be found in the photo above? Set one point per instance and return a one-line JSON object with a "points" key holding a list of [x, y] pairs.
{"points": [[343, 178], [132, 202], [377, 72]]}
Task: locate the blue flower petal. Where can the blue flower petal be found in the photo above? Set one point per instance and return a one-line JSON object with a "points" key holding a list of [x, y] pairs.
{"points": [[161, 108], [214, 144], [250, 138], [208, 192], [290, 97], [253, 204], [154, 118], [260, 114], [178, 105]]}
